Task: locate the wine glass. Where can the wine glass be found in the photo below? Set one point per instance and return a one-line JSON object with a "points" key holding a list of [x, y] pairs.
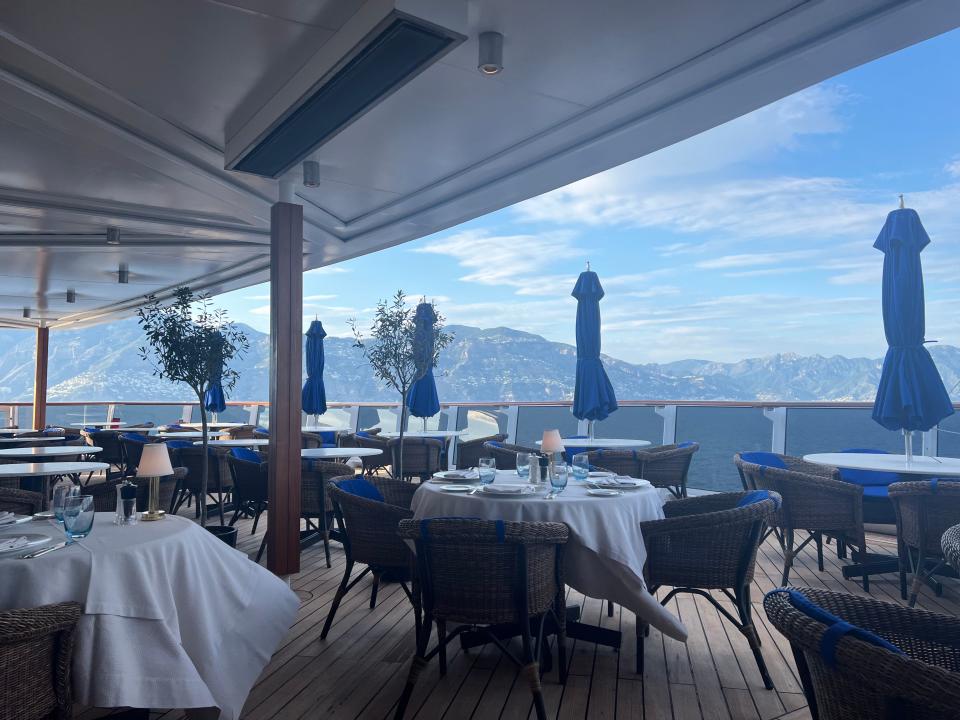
{"points": [[523, 464], [61, 491], [487, 470], [78, 514], [581, 466], [558, 480]]}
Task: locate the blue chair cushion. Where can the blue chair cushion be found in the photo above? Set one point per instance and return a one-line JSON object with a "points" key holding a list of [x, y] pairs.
{"points": [[328, 437], [242, 453], [875, 491], [363, 434], [685, 443], [836, 628], [263, 430], [764, 458], [90, 429], [495, 443], [135, 437], [361, 487], [867, 477], [570, 451], [178, 444], [755, 496]]}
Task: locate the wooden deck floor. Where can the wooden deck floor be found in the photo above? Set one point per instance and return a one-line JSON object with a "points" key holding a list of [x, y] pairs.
{"points": [[360, 669]]}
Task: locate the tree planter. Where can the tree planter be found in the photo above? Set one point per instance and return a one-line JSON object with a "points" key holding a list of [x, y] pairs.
{"points": [[225, 532]]}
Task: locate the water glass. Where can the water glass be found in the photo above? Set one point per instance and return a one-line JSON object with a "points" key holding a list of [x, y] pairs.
{"points": [[487, 470], [523, 464], [61, 491], [78, 516], [558, 479], [581, 466]]}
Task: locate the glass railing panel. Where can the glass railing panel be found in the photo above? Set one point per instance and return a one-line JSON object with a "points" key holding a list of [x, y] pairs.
{"points": [[334, 417], [534, 419], [481, 422], [135, 415], [384, 418], [817, 430], [66, 415], [948, 439], [233, 414], [633, 422], [721, 432]]}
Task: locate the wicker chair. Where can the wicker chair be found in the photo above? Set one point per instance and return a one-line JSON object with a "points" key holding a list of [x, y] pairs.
{"points": [[131, 449], [20, 502], [218, 486], [371, 463], [487, 573], [36, 650], [250, 494], [505, 454], [422, 457], [950, 546], [925, 511], [112, 453], [316, 508], [469, 452], [241, 432], [708, 543], [865, 681], [815, 501], [369, 536]]}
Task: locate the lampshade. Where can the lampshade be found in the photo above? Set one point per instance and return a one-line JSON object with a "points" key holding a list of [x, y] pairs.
{"points": [[551, 442], [155, 461]]}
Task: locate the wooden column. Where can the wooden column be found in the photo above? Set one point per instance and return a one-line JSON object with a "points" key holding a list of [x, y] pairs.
{"points": [[286, 339], [40, 379]]}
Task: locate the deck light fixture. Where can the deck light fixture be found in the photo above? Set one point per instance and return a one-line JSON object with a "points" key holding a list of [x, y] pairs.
{"points": [[26, 312], [123, 274], [113, 236], [71, 295], [491, 53], [311, 173]]}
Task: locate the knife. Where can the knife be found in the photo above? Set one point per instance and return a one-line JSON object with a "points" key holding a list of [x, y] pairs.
{"points": [[44, 551]]}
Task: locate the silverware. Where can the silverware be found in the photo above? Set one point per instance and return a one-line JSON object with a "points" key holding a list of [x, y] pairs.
{"points": [[43, 551], [475, 490]]}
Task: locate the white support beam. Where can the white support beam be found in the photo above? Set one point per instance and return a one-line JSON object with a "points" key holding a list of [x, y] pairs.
{"points": [[778, 416]]}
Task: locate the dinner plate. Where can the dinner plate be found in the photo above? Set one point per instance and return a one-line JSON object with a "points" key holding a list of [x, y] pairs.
{"points": [[620, 484], [455, 475], [14, 520], [34, 540], [505, 489], [603, 492], [457, 488], [600, 473]]}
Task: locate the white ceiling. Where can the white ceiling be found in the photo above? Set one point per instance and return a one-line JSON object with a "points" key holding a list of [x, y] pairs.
{"points": [[112, 113]]}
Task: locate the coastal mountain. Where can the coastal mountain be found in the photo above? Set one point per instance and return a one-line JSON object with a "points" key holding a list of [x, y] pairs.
{"points": [[103, 363]]}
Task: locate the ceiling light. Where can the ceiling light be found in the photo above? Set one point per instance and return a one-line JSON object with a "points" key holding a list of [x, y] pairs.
{"points": [[113, 236], [311, 173], [71, 296], [26, 312], [491, 53], [123, 274]]}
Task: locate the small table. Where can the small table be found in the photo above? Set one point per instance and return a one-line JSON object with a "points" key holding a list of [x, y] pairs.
{"points": [[324, 428], [238, 442], [47, 451], [15, 431], [45, 438], [127, 429], [213, 425], [919, 465], [190, 434], [425, 434], [47, 470], [602, 443], [99, 423], [338, 453]]}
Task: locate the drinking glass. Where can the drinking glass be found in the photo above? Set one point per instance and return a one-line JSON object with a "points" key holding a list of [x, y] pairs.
{"points": [[558, 480], [61, 491], [523, 464], [581, 466], [487, 470], [78, 516]]}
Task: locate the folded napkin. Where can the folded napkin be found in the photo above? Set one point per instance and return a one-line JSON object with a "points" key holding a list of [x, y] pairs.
{"points": [[7, 518], [13, 543]]}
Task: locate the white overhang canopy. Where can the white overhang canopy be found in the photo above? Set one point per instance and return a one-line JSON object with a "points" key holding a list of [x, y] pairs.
{"points": [[118, 118]]}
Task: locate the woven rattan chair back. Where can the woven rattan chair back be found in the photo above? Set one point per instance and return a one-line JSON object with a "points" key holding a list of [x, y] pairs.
{"points": [[950, 546], [241, 432], [370, 529], [505, 454], [422, 456], [667, 466], [315, 474], [192, 459], [371, 463], [621, 462], [20, 502], [925, 510], [112, 453], [469, 452], [476, 571], [36, 650], [249, 479], [867, 681]]}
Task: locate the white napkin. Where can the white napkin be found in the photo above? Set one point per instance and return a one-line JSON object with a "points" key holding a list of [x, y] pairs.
{"points": [[13, 543], [7, 518]]}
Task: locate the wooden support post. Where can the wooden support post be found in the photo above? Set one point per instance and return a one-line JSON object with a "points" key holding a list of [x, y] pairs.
{"points": [[40, 379], [286, 342]]}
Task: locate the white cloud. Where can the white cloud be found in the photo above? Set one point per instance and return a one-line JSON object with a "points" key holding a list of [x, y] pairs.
{"points": [[751, 259], [328, 270], [952, 168]]}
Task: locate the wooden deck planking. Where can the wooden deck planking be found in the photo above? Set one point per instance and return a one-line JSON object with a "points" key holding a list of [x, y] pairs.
{"points": [[360, 669]]}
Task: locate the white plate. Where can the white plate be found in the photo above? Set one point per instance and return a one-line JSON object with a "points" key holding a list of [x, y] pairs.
{"points": [[17, 519], [602, 492], [455, 475], [620, 484], [34, 540], [506, 489], [600, 473], [457, 488]]}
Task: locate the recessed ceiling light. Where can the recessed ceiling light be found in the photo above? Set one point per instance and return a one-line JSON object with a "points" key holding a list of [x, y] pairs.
{"points": [[113, 236], [311, 173], [123, 274], [71, 295], [491, 53], [26, 312]]}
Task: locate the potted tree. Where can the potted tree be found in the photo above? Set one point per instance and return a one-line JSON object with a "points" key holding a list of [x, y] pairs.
{"points": [[401, 350], [192, 342]]}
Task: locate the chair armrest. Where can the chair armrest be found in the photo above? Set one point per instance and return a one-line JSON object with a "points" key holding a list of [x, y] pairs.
{"points": [[702, 504]]}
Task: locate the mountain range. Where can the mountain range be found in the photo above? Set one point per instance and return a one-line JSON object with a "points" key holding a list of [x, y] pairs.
{"points": [[103, 363]]}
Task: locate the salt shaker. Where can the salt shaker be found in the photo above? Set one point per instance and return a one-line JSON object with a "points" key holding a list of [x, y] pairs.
{"points": [[534, 478], [544, 463], [126, 504]]}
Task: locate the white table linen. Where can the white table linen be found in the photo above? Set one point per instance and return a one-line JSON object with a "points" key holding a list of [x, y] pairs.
{"points": [[918, 465], [605, 554], [173, 617]]}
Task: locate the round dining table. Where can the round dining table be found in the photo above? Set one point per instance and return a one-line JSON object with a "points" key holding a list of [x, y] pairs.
{"points": [[99, 424], [190, 434], [605, 554], [324, 428], [237, 442], [42, 452], [602, 443], [213, 425], [338, 453], [172, 616], [917, 465], [32, 440], [15, 431], [47, 470]]}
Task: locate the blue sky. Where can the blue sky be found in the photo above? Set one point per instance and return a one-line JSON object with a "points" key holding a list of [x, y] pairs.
{"points": [[750, 239]]}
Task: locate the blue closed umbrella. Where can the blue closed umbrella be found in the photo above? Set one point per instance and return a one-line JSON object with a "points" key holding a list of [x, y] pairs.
{"points": [[911, 395], [593, 397], [314, 395], [213, 399], [422, 399]]}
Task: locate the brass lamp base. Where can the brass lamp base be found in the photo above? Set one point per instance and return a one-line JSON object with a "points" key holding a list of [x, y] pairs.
{"points": [[153, 515], [153, 503]]}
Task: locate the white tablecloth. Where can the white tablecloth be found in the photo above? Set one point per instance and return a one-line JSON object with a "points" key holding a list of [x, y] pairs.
{"points": [[605, 554], [173, 617]]}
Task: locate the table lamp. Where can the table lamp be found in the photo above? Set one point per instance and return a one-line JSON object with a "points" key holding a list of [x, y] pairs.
{"points": [[551, 445], [154, 464]]}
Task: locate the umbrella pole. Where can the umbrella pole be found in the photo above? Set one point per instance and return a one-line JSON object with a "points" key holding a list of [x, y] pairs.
{"points": [[590, 429], [908, 445]]}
